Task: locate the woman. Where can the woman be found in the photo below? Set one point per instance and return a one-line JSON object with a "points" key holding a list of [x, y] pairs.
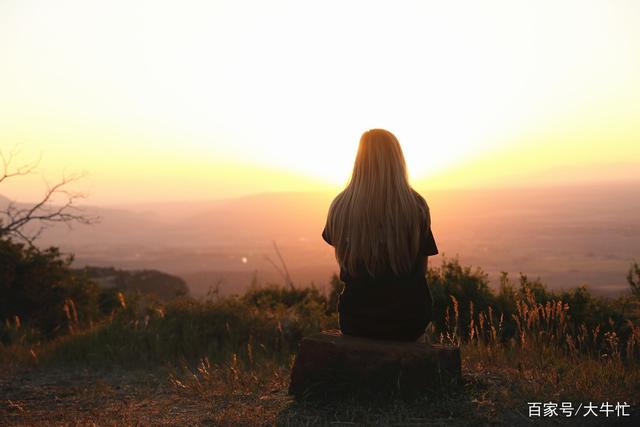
{"points": [[381, 230]]}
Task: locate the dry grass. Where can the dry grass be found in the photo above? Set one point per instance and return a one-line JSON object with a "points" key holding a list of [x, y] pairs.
{"points": [[229, 364]]}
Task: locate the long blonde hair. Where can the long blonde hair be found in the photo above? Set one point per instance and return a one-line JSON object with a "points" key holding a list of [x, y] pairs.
{"points": [[374, 223]]}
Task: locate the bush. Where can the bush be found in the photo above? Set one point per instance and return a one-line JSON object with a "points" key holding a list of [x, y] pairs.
{"points": [[40, 291], [271, 296], [465, 285]]}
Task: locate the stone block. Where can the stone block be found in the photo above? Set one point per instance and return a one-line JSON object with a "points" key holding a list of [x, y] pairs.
{"points": [[332, 364]]}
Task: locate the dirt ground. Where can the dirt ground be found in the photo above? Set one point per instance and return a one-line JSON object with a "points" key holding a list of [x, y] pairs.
{"points": [[83, 397]]}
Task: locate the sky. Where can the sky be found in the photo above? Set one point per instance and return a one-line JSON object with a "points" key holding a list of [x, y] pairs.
{"points": [[177, 100]]}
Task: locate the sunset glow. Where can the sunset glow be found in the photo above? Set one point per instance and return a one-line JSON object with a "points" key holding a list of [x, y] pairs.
{"points": [[180, 100]]}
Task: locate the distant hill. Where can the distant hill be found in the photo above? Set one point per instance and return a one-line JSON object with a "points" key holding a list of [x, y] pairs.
{"points": [[566, 235], [162, 285]]}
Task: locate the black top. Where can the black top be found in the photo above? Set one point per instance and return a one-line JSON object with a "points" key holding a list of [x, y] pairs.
{"points": [[389, 306]]}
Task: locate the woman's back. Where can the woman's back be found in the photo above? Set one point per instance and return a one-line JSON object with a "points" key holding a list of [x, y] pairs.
{"points": [[382, 252], [389, 306]]}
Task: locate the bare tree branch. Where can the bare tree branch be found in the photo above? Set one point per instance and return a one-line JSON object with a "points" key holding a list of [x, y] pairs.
{"points": [[14, 219], [284, 271], [24, 169]]}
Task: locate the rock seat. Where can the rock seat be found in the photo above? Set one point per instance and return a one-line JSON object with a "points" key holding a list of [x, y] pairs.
{"points": [[332, 364]]}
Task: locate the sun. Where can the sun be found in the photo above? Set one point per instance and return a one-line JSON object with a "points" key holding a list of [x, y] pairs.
{"points": [[289, 87]]}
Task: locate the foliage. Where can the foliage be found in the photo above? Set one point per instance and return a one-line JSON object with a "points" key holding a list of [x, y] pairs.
{"points": [[335, 289], [40, 292], [520, 343], [272, 296], [633, 278], [454, 286], [186, 330], [272, 319], [164, 286]]}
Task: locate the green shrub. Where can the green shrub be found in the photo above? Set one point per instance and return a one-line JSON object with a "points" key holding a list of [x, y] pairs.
{"points": [[40, 291]]}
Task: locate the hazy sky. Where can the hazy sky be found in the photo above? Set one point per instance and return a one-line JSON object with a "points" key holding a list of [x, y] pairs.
{"points": [[186, 99]]}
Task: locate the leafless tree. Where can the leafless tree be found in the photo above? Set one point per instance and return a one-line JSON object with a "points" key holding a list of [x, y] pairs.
{"points": [[47, 211]]}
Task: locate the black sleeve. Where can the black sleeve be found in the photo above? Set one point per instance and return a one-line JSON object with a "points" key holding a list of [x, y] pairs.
{"points": [[325, 236], [427, 242]]}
